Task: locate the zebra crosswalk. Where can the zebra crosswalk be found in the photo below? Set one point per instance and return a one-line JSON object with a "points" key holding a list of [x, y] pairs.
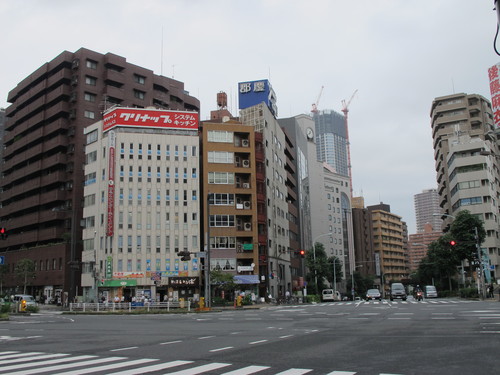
{"points": [[19, 363]]}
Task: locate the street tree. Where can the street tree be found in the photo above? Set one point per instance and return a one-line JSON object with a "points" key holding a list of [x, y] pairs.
{"points": [[4, 269], [222, 281], [333, 261], [467, 231], [319, 269], [24, 272]]}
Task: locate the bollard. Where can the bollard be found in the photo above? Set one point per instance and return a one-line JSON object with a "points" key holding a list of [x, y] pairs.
{"points": [[202, 302]]}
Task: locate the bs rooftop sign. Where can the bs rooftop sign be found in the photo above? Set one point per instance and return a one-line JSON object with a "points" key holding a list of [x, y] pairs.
{"points": [[150, 118], [255, 92]]}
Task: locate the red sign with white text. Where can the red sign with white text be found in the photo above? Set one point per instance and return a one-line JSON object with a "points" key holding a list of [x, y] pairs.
{"points": [[111, 184], [493, 74], [150, 118]]}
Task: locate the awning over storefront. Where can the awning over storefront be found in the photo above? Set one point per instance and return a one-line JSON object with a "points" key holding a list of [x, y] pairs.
{"points": [[246, 279], [118, 283]]}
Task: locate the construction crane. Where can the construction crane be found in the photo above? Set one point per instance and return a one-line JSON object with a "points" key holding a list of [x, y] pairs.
{"points": [[315, 104], [345, 109]]}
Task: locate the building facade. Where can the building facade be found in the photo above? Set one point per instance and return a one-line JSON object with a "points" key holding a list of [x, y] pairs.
{"points": [[331, 140], [42, 184], [389, 244], [141, 206], [231, 208], [465, 152], [418, 244], [427, 210]]}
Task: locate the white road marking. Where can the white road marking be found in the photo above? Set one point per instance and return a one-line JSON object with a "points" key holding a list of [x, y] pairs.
{"points": [[220, 349]]}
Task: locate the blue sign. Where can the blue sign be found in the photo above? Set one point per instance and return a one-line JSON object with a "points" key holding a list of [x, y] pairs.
{"points": [[255, 92], [2, 260]]}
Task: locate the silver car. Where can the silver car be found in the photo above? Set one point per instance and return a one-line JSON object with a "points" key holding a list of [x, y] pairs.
{"points": [[430, 291]]}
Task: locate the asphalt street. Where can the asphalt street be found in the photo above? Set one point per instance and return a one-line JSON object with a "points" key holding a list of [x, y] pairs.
{"points": [[441, 336]]}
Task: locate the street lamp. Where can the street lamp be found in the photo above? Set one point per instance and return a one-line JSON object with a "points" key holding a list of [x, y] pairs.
{"points": [[314, 257]]}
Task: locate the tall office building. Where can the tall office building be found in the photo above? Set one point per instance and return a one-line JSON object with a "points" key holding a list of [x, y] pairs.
{"points": [[465, 149], [427, 210], [331, 140], [43, 179]]}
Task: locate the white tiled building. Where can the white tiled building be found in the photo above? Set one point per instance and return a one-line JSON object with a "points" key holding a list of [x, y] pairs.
{"points": [[141, 206]]}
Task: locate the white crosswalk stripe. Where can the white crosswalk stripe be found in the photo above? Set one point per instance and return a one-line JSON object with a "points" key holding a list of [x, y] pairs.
{"points": [[17, 363]]}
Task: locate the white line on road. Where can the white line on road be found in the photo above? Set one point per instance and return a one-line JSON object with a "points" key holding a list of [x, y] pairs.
{"points": [[205, 337], [341, 373], [200, 369], [170, 342], [257, 342], [220, 349], [120, 349], [247, 370], [143, 370], [294, 371], [285, 337]]}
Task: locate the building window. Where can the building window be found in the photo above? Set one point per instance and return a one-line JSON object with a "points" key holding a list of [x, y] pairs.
{"points": [[139, 79], [89, 114], [90, 97], [221, 157], [92, 81], [139, 94], [221, 136], [92, 137], [91, 64]]}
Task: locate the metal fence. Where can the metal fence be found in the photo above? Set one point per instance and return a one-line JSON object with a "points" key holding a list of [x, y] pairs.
{"points": [[129, 306]]}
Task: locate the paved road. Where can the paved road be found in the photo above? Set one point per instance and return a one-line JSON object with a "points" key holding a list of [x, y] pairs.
{"points": [[442, 336]]}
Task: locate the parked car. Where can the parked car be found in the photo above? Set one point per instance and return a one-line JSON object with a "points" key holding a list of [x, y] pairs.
{"points": [[373, 294], [330, 295], [430, 291], [398, 291], [30, 301]]}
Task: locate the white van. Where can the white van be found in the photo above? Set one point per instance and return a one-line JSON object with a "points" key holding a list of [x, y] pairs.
{"points": [[330, 295]]}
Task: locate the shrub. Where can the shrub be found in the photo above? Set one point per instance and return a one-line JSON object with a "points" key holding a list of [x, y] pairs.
{"points": [[32, 309], [469, 293]]}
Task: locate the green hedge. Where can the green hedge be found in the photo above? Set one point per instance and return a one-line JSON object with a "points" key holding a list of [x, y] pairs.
{"points": [[469, 293]]}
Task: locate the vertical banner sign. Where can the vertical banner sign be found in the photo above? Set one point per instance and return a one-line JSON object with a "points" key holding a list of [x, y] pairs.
{"points": [[493, 74], [109, 267], [111, 182]]}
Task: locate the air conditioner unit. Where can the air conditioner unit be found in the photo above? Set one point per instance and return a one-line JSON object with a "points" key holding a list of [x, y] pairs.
{"points": [[237, 161], [73, 97], [246, 185], [245, 143], [248, 226], [246, 163], [75, 64], [246, 204], [74, 80]]}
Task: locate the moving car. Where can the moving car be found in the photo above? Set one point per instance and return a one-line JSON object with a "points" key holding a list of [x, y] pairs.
{"points": [[430, 291], [398, 291], [373, 294], [330, 295]]}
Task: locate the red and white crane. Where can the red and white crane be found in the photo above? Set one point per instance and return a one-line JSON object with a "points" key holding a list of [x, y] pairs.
{"points": [[345, 109], [316, 103]]}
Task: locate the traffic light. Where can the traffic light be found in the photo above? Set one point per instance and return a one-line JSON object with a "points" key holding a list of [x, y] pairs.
{"points": [[302, 253], [185, 255], [3, 233], [453, 242]]}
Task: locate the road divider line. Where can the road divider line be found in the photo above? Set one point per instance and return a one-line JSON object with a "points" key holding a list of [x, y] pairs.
{"points": [[257, 342], [221, 349], [170, 342], [121, 349]]}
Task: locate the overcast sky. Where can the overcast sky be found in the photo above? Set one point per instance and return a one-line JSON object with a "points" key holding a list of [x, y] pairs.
{"points": [[398, 54]]}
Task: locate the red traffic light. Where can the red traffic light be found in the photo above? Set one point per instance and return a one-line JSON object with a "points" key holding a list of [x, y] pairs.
{"points": [[453, 242], [302, 253]]}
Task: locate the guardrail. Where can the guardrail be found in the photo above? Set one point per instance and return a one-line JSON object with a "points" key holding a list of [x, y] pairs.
{"points": [[129, 306]]}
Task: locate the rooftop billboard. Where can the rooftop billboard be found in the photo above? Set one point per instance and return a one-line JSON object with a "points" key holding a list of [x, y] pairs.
{"points": [[255, 92], [150, 118]]}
